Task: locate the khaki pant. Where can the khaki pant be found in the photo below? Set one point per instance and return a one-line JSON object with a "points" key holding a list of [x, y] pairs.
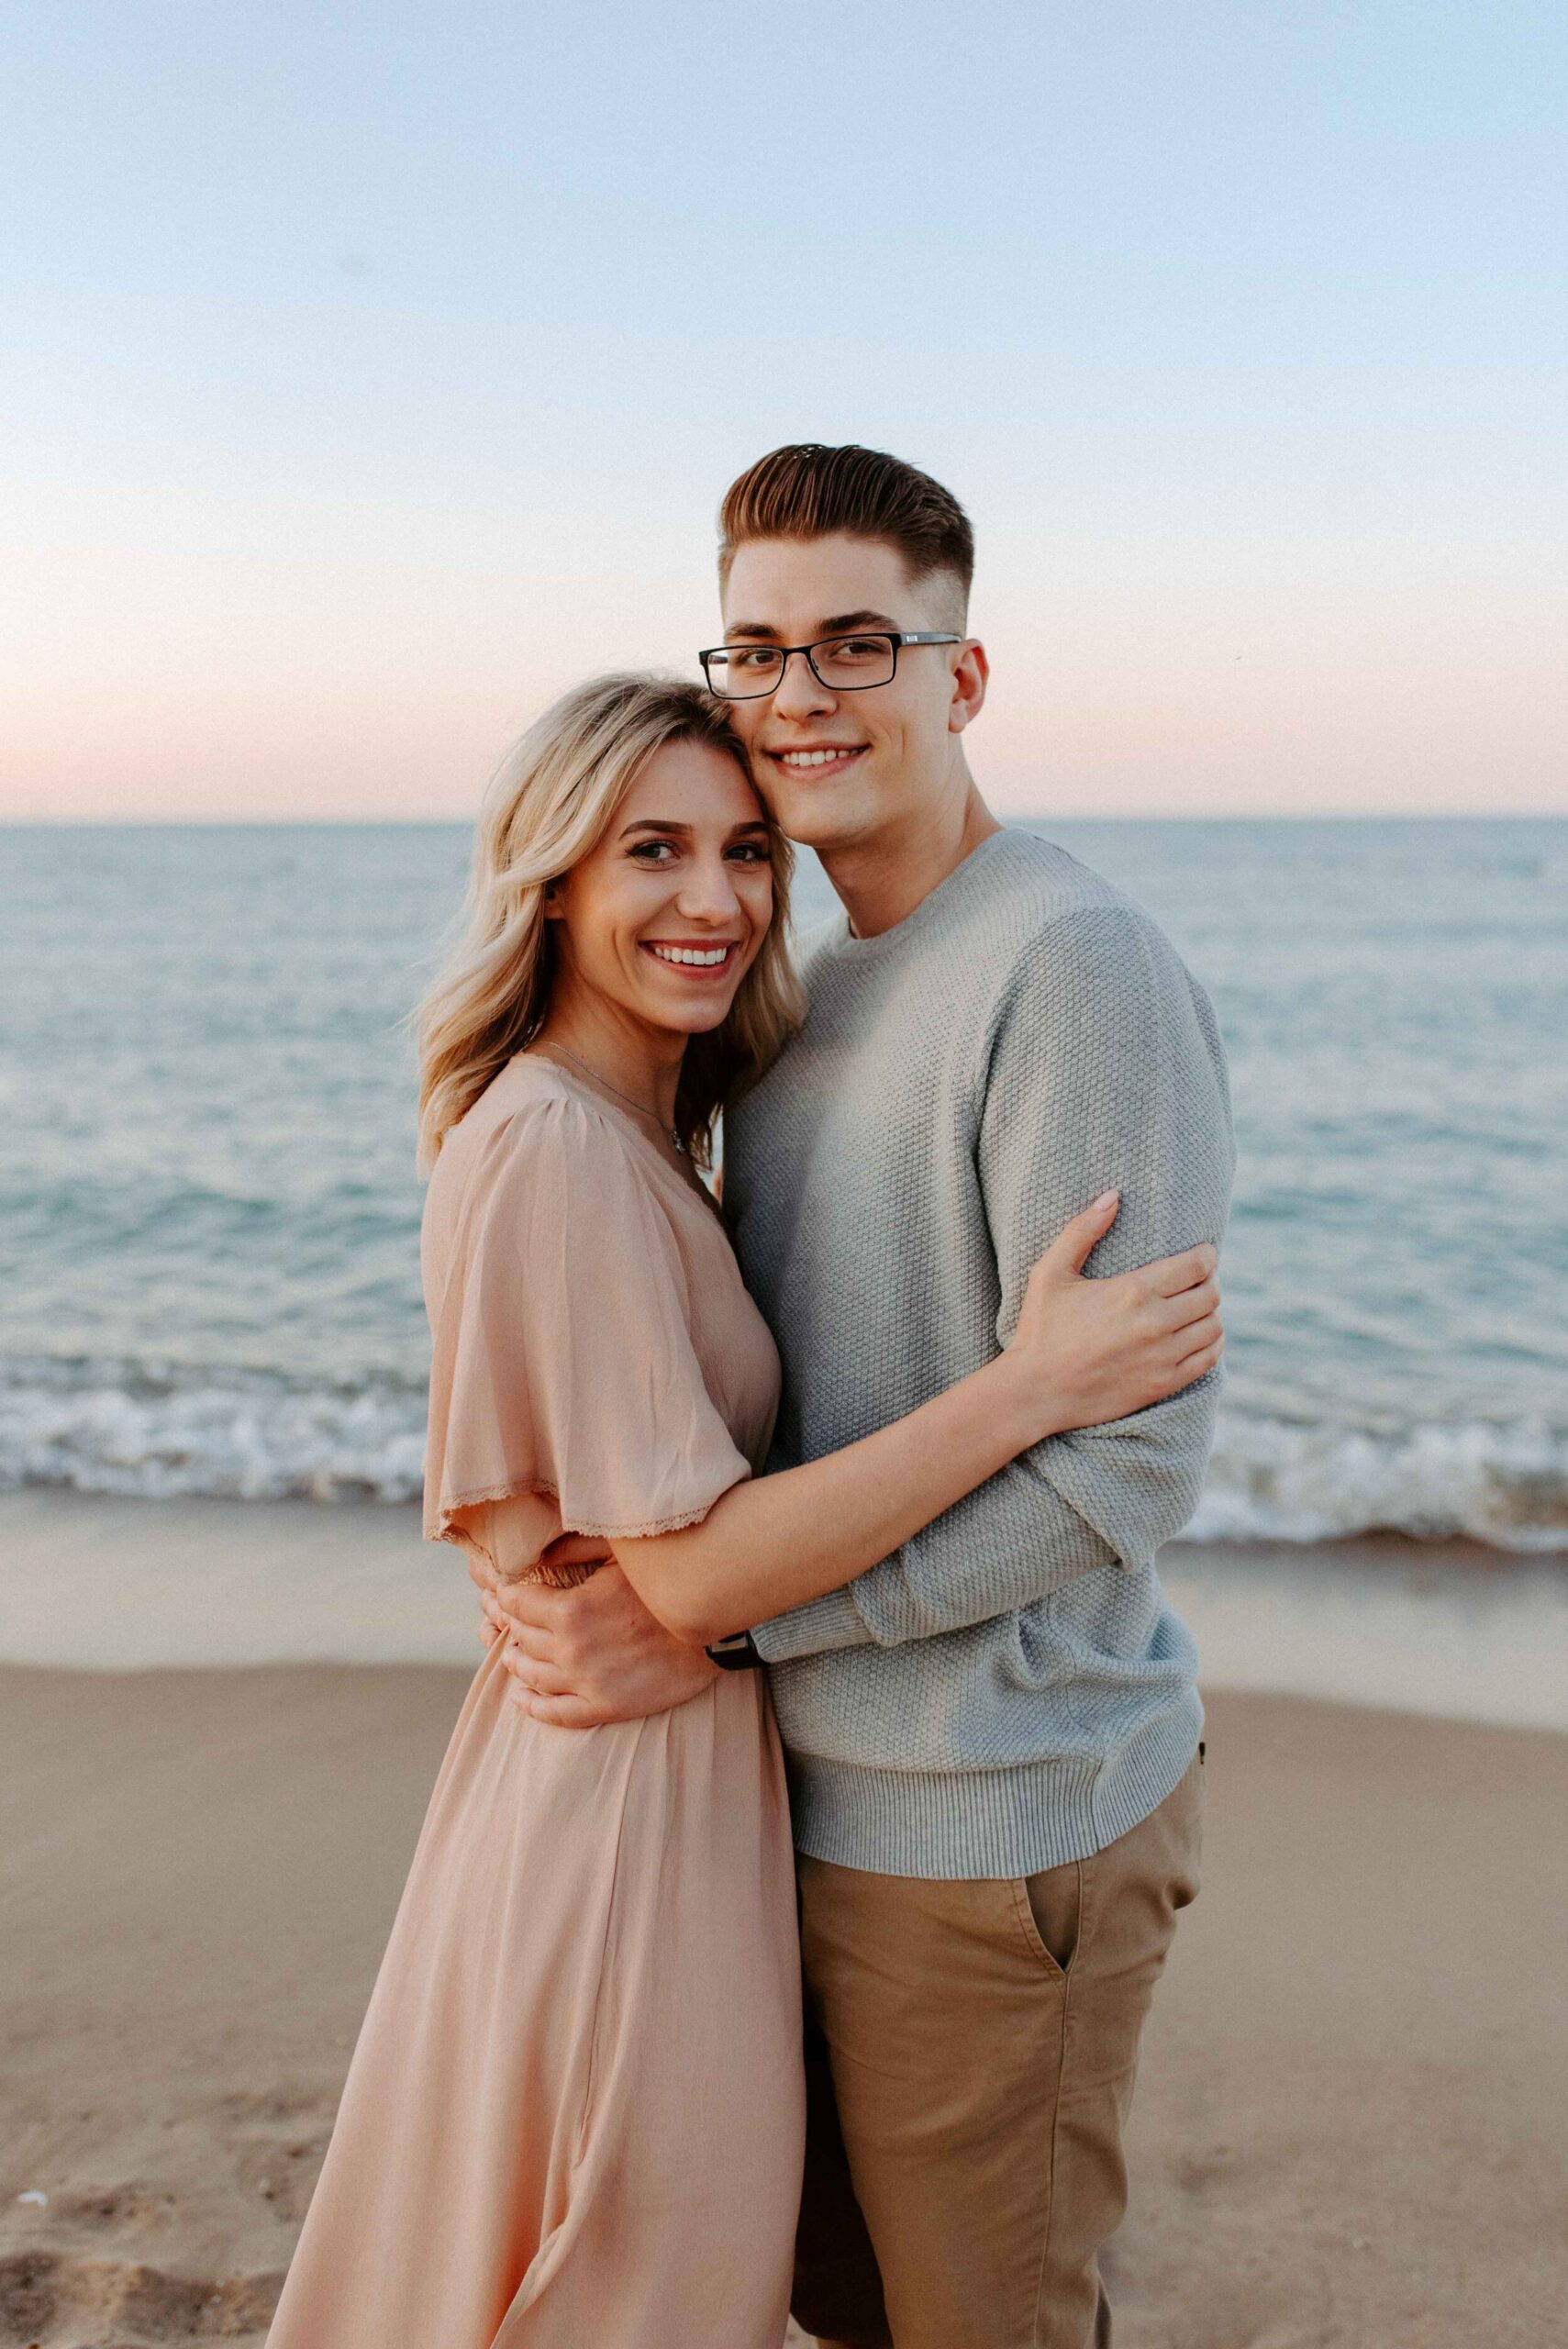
{"points": [[971, 2050]]}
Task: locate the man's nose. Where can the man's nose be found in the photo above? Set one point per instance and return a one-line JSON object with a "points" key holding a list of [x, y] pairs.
{"points": [[800, 690]]}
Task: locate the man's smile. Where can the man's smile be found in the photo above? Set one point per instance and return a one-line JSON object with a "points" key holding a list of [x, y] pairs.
{"points": [[822, 758]]}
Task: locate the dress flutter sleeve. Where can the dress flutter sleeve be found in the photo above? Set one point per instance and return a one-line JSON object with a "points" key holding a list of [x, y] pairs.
{"points": [[564, 1366]]}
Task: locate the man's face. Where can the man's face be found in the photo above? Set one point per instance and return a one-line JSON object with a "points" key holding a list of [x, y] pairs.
{"points": [[840, 768]]}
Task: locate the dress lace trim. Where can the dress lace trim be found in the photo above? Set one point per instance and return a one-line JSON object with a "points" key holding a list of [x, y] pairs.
{"points": [[443, 1528]]}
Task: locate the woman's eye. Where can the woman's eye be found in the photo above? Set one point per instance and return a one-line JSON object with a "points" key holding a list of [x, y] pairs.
{"points": [[748, 853], [652, 852]]}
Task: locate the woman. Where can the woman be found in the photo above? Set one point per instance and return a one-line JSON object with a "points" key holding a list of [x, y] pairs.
{"points": [[573, 2117]]}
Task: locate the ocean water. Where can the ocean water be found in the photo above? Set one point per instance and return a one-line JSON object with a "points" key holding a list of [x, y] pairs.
{"points": [[209, 1215]]}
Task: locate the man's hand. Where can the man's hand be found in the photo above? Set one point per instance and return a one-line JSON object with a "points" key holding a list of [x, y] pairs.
{"points": [[581, 1657], [566, 1550]]}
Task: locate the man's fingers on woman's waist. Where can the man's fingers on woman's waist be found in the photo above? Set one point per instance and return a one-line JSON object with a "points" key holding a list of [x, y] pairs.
{"points": [[542, 1679], [541, 1605], [529, 1645], [563, 1712], [538, 1647], [514, 1606], [526, 1638]]}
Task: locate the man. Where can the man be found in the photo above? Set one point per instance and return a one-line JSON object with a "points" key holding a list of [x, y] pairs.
{"points": [[993, 1736]]}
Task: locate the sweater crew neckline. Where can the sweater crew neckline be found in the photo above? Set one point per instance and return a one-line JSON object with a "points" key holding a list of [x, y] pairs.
{"points": [[841, 942]]}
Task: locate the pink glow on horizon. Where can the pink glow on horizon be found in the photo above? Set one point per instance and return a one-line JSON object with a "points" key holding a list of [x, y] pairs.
{"points": [[1263, 737], [1160, 679]]}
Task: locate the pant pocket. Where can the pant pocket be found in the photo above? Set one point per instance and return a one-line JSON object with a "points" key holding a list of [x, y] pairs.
{"points": [[1051, 1903]]}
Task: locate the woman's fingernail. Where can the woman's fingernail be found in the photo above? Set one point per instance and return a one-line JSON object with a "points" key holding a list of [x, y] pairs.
{"points": [[1105, 1199]]}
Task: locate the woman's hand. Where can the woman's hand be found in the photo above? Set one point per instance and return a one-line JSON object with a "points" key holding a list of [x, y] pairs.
{"points": [[1100, 1349]]}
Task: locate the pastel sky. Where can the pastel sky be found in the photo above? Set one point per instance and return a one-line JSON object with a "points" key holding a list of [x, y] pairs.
{"points": [[370, 371]]}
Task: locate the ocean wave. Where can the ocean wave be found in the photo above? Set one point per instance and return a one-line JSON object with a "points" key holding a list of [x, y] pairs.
{"points": [[158, 1434], [243, 1436], [1506, 1485]]}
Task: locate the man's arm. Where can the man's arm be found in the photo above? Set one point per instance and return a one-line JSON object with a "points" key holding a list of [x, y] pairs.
{"points": [[1104, 1069]]}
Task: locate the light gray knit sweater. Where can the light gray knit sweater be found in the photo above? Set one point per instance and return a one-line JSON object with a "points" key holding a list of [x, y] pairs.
{"points": [[1008, 1690]]}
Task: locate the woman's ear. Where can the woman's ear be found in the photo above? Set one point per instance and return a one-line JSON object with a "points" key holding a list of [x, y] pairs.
{"points": [[552, 906]]}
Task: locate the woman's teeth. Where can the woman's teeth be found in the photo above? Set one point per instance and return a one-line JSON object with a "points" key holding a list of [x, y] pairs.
{"points": [[702, 958]]}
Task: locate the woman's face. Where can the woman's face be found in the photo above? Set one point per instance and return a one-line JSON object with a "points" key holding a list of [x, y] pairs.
{"points": [[667, 915]]}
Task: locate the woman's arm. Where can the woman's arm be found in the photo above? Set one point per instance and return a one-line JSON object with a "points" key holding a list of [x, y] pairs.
{"points": [[1083, 1352]]}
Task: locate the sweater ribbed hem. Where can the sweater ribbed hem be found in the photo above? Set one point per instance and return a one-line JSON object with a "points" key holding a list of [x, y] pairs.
{"points": [[964, 1824]]}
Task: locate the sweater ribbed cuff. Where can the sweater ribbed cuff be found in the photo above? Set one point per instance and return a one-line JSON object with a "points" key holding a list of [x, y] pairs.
{"points": [[832, 1621]]}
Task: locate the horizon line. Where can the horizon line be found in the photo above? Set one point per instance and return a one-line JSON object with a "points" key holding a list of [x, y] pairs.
{"points": [[1007, 816]]}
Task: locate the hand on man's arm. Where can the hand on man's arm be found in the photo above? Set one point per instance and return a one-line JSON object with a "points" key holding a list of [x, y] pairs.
{"points": [[1105, 1071]]}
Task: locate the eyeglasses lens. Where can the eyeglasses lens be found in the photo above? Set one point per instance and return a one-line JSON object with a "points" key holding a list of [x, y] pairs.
{"points": [[848, 664]]}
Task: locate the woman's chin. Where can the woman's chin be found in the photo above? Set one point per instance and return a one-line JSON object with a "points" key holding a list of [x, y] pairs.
{"points": [[701, 1019], [698, 1016]]}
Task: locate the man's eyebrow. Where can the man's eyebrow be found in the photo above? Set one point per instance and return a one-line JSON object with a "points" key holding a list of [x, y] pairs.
{"points": [[859, 620], [836, 626]]}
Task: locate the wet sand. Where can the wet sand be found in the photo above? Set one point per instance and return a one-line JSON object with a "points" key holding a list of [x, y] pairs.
{"points": [[1446, 1628]]}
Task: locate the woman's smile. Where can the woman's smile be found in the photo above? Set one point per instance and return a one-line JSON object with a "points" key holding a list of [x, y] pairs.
{"points": [[695, 958]]}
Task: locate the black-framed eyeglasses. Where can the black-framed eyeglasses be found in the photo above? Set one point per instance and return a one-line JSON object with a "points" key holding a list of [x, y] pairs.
{"points": [[845, 664]]}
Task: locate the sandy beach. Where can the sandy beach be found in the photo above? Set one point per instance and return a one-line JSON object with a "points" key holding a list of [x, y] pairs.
{"points": [[1350, 2126]]}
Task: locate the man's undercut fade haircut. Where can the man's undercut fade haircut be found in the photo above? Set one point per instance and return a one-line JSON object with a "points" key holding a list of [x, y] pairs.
{"points": [[807, 490]]}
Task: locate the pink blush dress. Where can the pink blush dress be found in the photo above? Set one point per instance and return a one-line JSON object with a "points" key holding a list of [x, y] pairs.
{"points": [[574, 2117]]}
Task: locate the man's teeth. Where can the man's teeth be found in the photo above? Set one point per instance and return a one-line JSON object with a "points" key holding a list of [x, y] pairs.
{"points": [[815, 758], [704, 957]]}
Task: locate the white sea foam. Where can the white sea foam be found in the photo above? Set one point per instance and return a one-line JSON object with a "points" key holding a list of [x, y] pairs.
{"points": [[249, 1439], [1270, 1480], [104, 1429]]}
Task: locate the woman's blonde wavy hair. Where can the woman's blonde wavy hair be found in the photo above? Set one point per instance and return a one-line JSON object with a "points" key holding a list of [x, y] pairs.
{"points": [[549, 804]]}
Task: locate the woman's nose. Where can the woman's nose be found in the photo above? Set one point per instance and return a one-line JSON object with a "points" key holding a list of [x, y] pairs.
{"points": [[707, 891]]}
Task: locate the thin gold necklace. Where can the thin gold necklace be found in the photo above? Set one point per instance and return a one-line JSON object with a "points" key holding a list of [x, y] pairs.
{"points": [[600, 1078]]}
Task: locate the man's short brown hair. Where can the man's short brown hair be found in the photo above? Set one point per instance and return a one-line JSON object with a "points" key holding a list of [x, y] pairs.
{"points": [[807, 490]]}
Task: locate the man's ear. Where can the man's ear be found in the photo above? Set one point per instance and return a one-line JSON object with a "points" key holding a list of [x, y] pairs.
{"points": [[970, 673]]}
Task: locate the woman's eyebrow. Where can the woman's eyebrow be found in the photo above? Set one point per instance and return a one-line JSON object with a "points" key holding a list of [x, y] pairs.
{"points": [[669, 824]]}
